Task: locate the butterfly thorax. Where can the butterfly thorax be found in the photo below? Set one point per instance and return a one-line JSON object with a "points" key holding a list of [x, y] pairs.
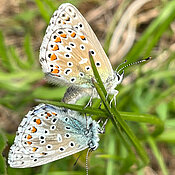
{"points": [[113, 81]]}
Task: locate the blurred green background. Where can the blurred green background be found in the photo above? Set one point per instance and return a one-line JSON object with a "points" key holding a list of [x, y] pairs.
{"points": [[128, 30]]}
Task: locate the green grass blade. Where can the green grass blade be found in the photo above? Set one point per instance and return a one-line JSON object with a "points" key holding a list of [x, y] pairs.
{"points": [[4, 58], [115, 116], [43, 10], [18, 61], [156, 151], [2, 161], [29, 51], [151, 36], [129, 116]]}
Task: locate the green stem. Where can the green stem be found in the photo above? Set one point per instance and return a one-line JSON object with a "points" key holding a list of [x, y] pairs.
{"points": [[115, 116], [145, 118]]}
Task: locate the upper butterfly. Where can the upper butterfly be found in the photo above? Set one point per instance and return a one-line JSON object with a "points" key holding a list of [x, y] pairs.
{"points": [[64, 55]]}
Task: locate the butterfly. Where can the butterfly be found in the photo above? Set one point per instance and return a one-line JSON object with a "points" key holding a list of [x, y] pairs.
{"points": [[48, 133], [64, 55]]}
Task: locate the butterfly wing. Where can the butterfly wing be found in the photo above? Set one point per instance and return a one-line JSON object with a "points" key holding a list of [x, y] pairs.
{"points": [[47, 133], [64, 50]]}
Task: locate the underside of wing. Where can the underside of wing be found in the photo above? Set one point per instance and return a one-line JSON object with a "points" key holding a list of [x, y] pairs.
{"points": [[45, 135], [64, 51]]}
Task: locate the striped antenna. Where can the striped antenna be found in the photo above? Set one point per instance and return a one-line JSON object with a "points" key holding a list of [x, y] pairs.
{"points": [[120, 65], [130, 64]]}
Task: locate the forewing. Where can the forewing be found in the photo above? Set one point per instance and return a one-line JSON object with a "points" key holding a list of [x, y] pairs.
{"points": [[64, 51], [47, 133]]}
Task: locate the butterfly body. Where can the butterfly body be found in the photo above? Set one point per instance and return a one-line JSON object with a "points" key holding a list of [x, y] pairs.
{"points": [[49, 133], [64, 54]]}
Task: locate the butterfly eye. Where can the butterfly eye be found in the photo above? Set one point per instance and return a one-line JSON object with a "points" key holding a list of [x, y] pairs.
{"points": [[118, 77]]}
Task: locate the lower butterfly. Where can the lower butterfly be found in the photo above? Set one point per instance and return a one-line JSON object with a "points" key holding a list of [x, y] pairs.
{"points": [[48, 133]]}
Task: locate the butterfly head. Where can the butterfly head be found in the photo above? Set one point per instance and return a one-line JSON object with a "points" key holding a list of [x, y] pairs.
{"points": [[94, 129]]}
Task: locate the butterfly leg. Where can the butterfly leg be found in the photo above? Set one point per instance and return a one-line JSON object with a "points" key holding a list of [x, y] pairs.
{"points": [[114, 92], [89, 103], [102, 130], [90, 100], [100, 105]]}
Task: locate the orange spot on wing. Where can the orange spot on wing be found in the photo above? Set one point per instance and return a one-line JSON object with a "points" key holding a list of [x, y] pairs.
{"points": [[55, 48], [34, 149], [58, 40], [53, 113], [33, 129], [49, 114], [38, 121], [43, 153], [63, 35], [29, 136], [53, 57], [82, 37], [55, 71], [68, 18], [29, 142], [73, 34]]}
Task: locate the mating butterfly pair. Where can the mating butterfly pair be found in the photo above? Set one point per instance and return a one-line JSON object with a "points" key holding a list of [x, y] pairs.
{"points": [[48, 133]]}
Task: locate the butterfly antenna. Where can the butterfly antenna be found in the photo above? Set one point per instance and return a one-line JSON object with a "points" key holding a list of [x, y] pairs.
{"points": [[120, 65], [87, 161], [138, 62]]}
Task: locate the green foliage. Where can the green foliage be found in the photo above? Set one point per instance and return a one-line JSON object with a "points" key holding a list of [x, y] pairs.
{"points": [[2, 160], [123, 148]]}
